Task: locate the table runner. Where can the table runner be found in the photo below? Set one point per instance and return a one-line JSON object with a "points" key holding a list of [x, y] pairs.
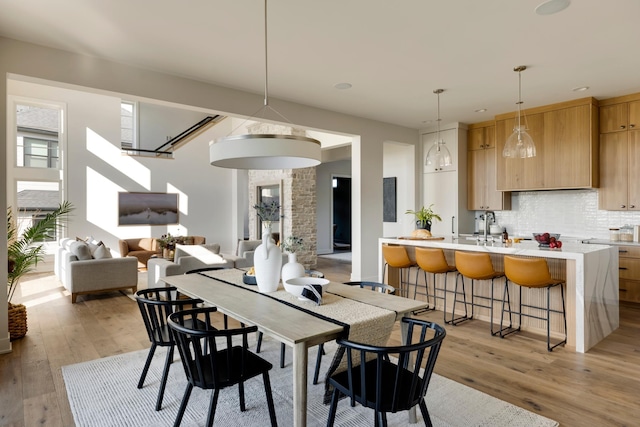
{"points": [[366, 323]]}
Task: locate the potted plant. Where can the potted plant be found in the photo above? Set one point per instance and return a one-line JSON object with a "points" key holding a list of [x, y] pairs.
{"points": [[424, 217], [23, 253], [292, 269]]}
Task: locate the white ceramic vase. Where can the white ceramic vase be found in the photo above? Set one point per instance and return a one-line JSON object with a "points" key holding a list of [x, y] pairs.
{"points": [[267, 262], [292, 269]]}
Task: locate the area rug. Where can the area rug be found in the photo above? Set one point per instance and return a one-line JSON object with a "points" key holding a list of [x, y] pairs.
{"points": [[103, 393]]}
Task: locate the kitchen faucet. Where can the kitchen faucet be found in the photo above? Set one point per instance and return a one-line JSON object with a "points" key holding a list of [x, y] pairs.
{"points": [[489, 217]]}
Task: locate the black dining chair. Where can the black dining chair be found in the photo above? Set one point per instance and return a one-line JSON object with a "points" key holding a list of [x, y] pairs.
{"points": [[374, 286], [392, 379], [156, 304], [212, 364]]}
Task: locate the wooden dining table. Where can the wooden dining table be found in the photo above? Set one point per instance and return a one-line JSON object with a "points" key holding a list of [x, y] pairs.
{"points": [[285, 322]]}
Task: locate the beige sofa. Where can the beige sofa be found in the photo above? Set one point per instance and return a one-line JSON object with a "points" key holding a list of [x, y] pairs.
{"points": [[186, 258], [89, 268]]}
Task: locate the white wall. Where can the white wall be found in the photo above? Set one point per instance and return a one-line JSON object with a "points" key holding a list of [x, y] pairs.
{"points": [[398, 161], [97, 171], [158, 123], [26, 61], [324, 190]]}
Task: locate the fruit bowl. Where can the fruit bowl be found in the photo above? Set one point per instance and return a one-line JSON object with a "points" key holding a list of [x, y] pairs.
{"points": [[545, 240], [295, 286]]}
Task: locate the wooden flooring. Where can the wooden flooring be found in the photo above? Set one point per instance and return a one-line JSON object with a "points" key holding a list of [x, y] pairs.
{"points": [[599, 388]]}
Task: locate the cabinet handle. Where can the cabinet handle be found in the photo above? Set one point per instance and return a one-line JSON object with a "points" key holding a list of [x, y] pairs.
{"points": [[622, 126], [622, 290], [622, 252], [453, 231], [632, 206], [622, 206], [622, 268], [632, 126]]}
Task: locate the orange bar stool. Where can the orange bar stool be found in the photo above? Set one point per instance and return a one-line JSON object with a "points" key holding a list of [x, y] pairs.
{"points": [[475, 266], [397, 257], [433, 260], [533, 273]]}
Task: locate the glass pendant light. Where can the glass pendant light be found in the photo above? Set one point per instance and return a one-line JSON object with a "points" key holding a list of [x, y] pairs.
{"points": [[519, 144], [438, 155]]}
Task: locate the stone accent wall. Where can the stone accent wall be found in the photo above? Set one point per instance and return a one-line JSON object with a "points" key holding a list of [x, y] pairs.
{"points": [[298, 207]]}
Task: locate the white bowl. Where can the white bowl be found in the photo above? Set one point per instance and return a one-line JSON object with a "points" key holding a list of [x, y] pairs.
{"points": [[295, 286]]}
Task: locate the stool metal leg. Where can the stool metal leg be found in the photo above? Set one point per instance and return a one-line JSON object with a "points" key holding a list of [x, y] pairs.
{"points": [[456, 320]]}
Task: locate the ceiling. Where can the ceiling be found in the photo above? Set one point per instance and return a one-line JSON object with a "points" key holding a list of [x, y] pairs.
{"points": [[393, 53]]}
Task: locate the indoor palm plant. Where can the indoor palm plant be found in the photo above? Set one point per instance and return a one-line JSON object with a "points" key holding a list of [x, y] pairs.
{"points": [[425, 216], [24, 250]]}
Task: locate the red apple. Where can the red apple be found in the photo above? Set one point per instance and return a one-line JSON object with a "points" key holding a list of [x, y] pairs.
{"points": [[559, 244]]}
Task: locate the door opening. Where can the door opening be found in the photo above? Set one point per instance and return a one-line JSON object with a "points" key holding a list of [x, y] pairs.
{"points": [[341, 196]]}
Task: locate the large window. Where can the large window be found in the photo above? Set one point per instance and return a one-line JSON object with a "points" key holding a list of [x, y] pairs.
{"points": [[38, 130], [35, 200], [128, 124]]}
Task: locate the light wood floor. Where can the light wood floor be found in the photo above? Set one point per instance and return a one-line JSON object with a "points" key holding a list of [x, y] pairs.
{"points": [[600, 388]]}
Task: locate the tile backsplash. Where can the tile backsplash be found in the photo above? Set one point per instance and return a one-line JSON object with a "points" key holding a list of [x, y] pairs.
{"points": [[572, 213]]}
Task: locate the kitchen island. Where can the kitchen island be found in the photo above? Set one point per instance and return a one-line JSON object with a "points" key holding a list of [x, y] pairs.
{"points": [[590, 271]]}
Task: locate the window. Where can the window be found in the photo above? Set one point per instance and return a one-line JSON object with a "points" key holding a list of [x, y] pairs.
{"points": [[128, 124], [37, 136], [40, 153], [35, 199]]}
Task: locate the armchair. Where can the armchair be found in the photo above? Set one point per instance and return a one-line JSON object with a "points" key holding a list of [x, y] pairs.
{"points": [[140, 248]]}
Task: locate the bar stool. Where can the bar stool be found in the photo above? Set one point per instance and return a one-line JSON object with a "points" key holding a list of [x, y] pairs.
{"points": [[432, 260], [476, 266], [533, 273], [397, 257]]}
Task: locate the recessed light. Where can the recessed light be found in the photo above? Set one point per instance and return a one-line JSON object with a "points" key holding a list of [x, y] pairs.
{"points": [[550, 7], [580, 89], [481, 110], [343, 86]]}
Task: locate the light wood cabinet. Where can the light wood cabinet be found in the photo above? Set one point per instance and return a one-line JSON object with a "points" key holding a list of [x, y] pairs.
{"points": [[619, 154], [629, 264], [620, 117], [481, 162], [566, 140]]}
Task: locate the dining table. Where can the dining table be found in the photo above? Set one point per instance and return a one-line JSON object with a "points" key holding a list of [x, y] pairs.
{"points": [[359, 314]]}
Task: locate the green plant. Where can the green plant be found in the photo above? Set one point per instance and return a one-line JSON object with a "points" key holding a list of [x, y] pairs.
{"points": [[425, 215], [268, 212], [292, 244], [23, 250]]}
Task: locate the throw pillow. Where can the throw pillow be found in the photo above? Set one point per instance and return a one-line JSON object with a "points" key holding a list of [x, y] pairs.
{"points": [[102, 252], [93, 246], [81, 251]]}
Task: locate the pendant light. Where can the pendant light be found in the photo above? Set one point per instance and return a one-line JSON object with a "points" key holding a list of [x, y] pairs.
{"points": [[519, 144], [438, 155], [265, 151]]}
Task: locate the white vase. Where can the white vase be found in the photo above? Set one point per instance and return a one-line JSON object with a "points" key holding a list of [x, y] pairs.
{"points": [[292, 269], [267, 261]]}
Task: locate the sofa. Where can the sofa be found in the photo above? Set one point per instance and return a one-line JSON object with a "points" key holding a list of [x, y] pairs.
{"points": [[88, 267], [186, 258], [245, 253]]}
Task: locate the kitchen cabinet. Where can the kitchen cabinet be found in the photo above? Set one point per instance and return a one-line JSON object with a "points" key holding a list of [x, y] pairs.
{"points": [[629, 265], [566, 140], [482, 193], [620, 117], [619, 155], [446, 187]]}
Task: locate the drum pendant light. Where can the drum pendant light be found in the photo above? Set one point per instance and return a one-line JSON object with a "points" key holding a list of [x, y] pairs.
{"points": [[438, 155], [265, 151], [519, 144]]}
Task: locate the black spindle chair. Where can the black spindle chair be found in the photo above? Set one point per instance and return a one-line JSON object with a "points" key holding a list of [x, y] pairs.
{"points": [[156, 304], [392, 379], [216, 364]]}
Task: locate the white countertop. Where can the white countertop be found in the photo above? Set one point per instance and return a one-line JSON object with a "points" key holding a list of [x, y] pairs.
{"points": [[569, 250]]}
